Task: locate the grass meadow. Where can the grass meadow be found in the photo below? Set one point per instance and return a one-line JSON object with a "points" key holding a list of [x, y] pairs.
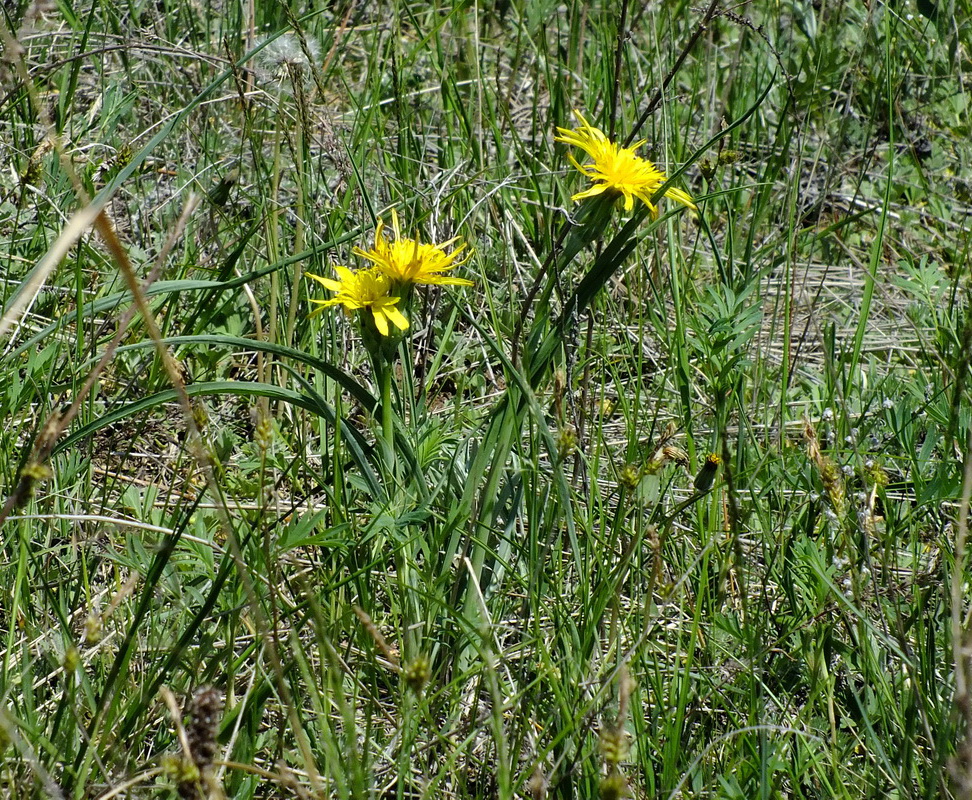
{"points": [[660, 506]]}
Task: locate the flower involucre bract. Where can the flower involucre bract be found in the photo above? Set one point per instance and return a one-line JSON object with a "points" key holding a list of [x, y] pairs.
{"points": [[409, 261], [617, 169], [364, 289]]}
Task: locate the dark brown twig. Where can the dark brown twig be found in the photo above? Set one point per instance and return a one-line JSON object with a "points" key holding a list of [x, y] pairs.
{"points": [[616, 94], [657, 98]]}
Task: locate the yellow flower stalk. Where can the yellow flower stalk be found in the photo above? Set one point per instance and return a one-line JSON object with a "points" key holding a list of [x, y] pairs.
{"points": [[614, 168], [409, 261], [367, 289]]}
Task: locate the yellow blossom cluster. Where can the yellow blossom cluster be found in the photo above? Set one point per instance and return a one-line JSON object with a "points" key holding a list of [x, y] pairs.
{"points": [[396, 266], [401, 263], [617, 169]]}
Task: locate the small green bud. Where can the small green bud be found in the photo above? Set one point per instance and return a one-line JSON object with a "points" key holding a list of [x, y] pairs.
{"points": [[180, 770], [729, 157], [416, 673], [566, 441], [93, 629], [71, 659], [629, 478], [200, 416], [876, 474]]}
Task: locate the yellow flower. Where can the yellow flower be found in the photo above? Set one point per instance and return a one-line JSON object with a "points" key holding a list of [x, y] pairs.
{"points": [[365, 289], [408, 261], [617, 168]]}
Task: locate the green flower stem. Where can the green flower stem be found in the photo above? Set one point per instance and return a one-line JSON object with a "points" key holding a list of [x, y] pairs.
{"points": [[298, 235], [273, 240], [387, 421]]}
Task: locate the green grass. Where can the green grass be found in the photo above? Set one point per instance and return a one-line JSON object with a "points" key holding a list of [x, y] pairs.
{"points": [[479, 579]]}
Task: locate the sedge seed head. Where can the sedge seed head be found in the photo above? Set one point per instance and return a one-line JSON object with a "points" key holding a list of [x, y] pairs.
{"points": [[566, 441], [613, 786], [417, 672], [205, 713], [263, 433], [614, 745], [630, 477], [35, 472]]}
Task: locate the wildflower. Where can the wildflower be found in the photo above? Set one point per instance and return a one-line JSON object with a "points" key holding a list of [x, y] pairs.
{"points": [[676, 454], [616, 168], [409, 261], [367, 289], [663, 455]]}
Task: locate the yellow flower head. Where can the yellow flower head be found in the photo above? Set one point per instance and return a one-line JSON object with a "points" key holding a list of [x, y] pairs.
{"points": [[365, 289], [408, 261], [616, 168]]}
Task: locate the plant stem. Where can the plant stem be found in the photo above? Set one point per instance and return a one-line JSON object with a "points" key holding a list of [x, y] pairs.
{"points": [[387, 422]]}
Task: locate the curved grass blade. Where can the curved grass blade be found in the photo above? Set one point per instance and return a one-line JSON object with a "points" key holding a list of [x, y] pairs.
{"points": [[109, 695], [85, 216], [164, 288], [361, 451], [239, 388], [345, 381], [185, 640]]}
